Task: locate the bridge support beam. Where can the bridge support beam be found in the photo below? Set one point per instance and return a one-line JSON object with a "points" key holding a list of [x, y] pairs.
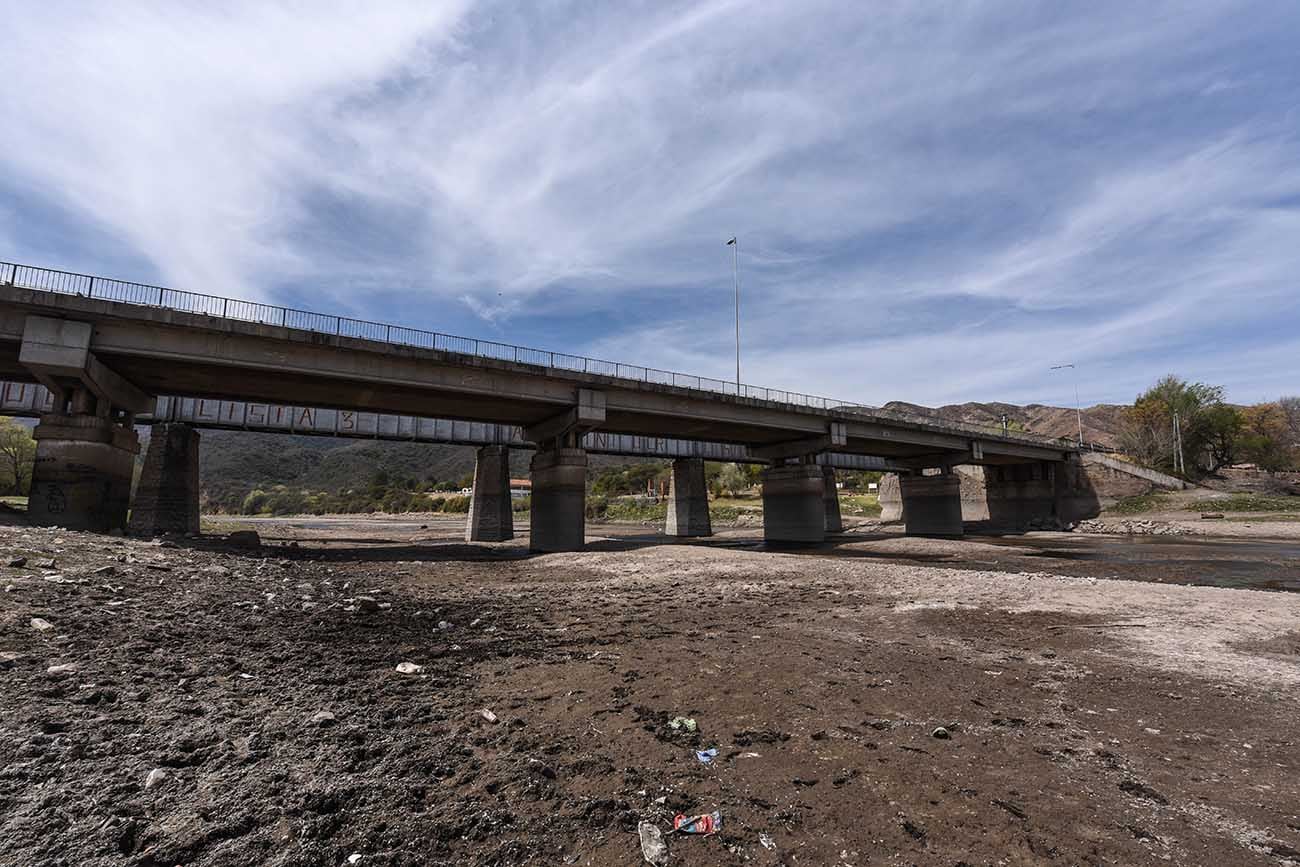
{"points": [[688, 500], [831, 501], [557, 516], [491, 516], [794, 508], [167, 496], [81, 478], [931, 504]]}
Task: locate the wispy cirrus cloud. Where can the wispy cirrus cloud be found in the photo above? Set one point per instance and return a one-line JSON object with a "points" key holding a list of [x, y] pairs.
{"points": [[935, 201]]}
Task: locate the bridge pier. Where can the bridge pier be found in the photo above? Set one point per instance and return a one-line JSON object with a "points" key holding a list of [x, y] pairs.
{"points": [[557, 517], [491, 513], [688, 500], [831, 501], [931, 504], [167, 495], [794, 507], [81, 477]]}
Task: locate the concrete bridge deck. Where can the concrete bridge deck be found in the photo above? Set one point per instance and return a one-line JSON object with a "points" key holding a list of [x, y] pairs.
{"points": [[107, 349]]}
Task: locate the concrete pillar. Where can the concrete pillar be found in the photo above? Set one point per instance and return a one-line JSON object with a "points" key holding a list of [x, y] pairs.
{"points": [[688, 500], [831, 501], [931, 505], [81, 478], [794, 507], [557, 515], [491, 518], [167, 496]]}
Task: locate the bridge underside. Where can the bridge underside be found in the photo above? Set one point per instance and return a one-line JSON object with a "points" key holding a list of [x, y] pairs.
{"points": [[107, 361]]}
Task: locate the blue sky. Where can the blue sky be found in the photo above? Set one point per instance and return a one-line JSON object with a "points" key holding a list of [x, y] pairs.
{"points": [[936, 201]]}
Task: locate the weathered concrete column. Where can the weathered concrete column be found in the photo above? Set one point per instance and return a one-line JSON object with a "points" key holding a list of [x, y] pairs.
{"points": [[81, 478], [557, 516], [491, 517], [688, 500], [794, 507], [931, 505], [167, 496], [831, 501]]}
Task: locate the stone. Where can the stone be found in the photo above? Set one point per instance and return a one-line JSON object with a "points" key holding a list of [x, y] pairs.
{"points": [[62, 670], [488, 715], [368, 604], [941, 733], [17, 562], [104, 571], [47, 563], [157, 777], [41, 625], [8, 658], [409, 668], [245, 539], [322, 719]]}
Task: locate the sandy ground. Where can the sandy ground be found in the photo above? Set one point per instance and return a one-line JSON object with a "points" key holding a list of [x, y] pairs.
{"points": [[1089, 721]]}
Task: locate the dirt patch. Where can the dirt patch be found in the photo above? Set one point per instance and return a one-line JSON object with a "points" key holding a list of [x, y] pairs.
{"points": [[210, 706]]}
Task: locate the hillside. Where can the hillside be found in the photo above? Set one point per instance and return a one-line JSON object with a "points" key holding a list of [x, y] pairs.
{"points": [[1101, 423]]}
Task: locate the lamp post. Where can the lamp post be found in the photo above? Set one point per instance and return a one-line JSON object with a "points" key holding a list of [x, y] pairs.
{"points": [[1078, 412], [734, 244]]}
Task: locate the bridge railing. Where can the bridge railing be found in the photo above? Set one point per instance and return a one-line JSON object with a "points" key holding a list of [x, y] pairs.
{"points": [[147, 295]]}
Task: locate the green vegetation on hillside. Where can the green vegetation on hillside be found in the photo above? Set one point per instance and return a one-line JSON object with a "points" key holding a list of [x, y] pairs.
{"points": [[1139, 504], [1246, 503]]}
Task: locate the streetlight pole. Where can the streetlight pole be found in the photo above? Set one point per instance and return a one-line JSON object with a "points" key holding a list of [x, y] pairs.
{"points": [[734, 244], [1078, 411]]}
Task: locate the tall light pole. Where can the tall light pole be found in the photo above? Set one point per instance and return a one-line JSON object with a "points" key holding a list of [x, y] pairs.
{"points": [[734, 244], [1078, 412]]}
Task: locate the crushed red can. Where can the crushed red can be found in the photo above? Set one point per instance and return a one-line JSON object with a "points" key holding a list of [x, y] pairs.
{"points": [[705, 823]]}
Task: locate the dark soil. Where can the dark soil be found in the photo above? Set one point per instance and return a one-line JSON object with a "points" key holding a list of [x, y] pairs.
{"points": [[215, 664]]}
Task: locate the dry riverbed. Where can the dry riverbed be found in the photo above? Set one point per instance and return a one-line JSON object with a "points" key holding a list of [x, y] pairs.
{"points": [[200, 703]]}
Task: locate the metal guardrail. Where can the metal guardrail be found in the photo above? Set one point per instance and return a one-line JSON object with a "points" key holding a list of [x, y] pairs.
{"points": [[147, 295]]}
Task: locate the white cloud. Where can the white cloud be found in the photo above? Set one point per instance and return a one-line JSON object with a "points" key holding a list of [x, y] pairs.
{"points": [[933, 199]]}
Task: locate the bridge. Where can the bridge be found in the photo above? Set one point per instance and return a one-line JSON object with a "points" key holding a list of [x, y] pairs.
{"points": [[106, 350]]}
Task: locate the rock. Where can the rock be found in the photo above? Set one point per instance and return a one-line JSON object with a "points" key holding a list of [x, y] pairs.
{"points": [[104, 571], [245, 539], [17, 562], [355, 858], [44, 564], [443, 624], [157, 777], [322, 719], [653, 848], [409, 668], [62, 670], [488, 715], [219, 571], [8, 658], [41, 625], [941, 733], [368, 604]]}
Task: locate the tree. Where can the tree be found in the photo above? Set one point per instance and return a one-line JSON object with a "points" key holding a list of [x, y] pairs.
{"points": [[17, 451], [1266, 438], [1148, 431]]}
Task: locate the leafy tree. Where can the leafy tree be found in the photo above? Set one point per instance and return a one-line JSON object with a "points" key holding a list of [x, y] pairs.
{"points": [[17, 451], [1266, 438], [1148, 431]]}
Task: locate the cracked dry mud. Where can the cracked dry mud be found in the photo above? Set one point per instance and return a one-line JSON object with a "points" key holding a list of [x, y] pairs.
{"points": [[263, 684]]}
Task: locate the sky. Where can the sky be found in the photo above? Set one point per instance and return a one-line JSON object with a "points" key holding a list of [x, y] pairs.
{"points": [[935, 202]]}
